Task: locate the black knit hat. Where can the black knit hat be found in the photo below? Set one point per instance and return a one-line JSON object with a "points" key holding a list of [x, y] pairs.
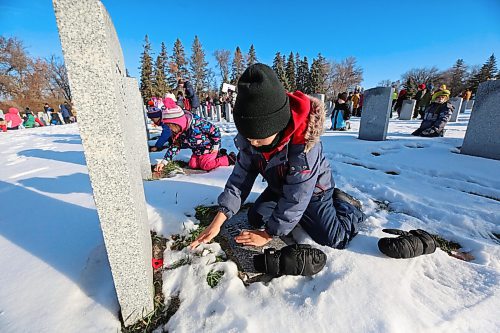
{"points": [[262, 107]]}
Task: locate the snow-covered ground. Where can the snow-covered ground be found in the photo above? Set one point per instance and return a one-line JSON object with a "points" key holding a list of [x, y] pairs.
{"points": [[55, 276]]}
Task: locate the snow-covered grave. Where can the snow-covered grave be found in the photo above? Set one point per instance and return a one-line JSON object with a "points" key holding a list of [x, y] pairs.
{"points": [[55, 275]]}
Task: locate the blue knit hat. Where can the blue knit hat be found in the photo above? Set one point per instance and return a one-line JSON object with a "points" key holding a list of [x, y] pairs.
{"points": [[154, 112]]}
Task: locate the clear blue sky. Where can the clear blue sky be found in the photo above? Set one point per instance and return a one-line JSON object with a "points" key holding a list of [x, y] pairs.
{"points": [[387, 37]]}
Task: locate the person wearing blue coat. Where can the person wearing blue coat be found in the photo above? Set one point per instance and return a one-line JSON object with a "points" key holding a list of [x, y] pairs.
{"points": [[190, 94], [279, 138]]}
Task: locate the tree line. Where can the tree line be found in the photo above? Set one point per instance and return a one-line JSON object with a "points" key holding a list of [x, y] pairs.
{"points": [[160, 75], [457, 78], [27, 81]]}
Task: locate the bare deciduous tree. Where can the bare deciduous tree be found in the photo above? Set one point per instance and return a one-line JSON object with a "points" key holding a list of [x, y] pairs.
{"points": [[57, 76], [223, 58], [344, 75]]}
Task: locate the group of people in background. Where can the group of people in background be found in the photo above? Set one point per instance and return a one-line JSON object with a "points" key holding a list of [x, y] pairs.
{"points": [[431, 105], [14, 120]]}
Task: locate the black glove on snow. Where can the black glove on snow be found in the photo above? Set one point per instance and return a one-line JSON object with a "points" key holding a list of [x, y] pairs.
{"points": [[297, 259], [408, 245]]}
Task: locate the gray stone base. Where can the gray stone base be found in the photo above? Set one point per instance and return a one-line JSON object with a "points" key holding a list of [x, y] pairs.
{"points": [[243, 255]]}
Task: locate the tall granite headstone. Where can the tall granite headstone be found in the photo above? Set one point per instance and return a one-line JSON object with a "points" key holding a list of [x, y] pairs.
{"points": [[482, 137], [407, 109], [457, 104], [376, 112], [96, 73]]}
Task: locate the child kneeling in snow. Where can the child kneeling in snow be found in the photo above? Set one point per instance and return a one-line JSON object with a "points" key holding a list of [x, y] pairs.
{"points": [[279, 138], [436, 116], [190, 131]]}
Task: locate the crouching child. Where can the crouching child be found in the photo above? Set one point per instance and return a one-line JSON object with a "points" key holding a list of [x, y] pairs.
{"points": [[279, 138], [191, 131], [436, 115]]}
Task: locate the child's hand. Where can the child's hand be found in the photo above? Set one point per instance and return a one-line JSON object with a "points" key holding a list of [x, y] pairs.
{"points": [[206, 236], [210, 232], [159, 167], [153, 148], [253, 238]]}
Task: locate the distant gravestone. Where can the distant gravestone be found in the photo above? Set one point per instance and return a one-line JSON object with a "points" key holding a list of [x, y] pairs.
{"points": [[229, 113], [321, 97], [457, 104], [243, 255], [482, 137], [407, 109], [376, 112], [470, 104], [464, 106], [218, 111], [101, 91]]}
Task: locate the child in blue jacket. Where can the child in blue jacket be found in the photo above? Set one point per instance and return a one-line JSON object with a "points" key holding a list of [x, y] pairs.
{"points": [[279, 138]]}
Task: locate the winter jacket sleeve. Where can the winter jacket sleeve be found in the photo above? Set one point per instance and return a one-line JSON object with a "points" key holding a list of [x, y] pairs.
{"points": [[444, 116], [171, 152], [165, 135], [213, 133], [238, 185], [300, 182]]}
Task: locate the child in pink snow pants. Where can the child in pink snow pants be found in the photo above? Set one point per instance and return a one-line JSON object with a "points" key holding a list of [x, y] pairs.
{"points": [[191, 131]]}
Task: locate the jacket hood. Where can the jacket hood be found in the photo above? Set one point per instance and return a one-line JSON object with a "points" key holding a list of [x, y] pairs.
{"points": [[13, 110], [306, 124]]}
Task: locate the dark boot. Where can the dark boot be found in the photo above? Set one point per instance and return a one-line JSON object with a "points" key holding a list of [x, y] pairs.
{"points": [[408, 245], [338, 194], [298, 259]]}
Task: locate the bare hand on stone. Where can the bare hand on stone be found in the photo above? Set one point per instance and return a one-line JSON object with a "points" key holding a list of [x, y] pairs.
{"points": [[253, 238]]}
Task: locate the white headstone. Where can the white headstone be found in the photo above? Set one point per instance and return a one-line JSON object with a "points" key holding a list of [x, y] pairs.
{"points": [[482, 137], [229, 114], [375, 116], [321, 97], [457, 104], [101, 93], [219, 115], [407, 109]]}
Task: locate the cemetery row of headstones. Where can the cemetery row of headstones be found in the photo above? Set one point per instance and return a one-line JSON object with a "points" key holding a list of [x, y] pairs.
{"points": [[97, 76]]}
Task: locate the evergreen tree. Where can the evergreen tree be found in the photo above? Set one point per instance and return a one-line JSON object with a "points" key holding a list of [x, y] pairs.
{"points": [[487, 72], [178, 64], [304, 76], [146, 86], [160, 85], [298, 82], [458, 74], [198, 66], [290, 72], [411, 87], [238, 66], [319, 75], [279, 68], [252, 57]]}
